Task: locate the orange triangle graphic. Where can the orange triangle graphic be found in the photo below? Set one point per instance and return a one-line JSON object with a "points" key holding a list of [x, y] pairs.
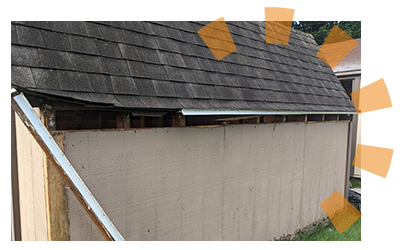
{"points": [[341, 213], [220, 19], [218, 38], [278, 24], [375, 160], [336, 47], [371, 97]]}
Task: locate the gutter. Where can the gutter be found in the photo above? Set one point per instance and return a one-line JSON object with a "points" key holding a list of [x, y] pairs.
{"points": [[28, 116], [256, 112], [347, 73]]}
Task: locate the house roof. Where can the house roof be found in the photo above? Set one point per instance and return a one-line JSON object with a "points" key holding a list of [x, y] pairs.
{"points": [[166, 65], [352, 62]]}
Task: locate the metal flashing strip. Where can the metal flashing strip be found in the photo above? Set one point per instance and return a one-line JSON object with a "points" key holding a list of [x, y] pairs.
{"points": [[28, 116], [257, 112], [347, 73], [14, 92]]}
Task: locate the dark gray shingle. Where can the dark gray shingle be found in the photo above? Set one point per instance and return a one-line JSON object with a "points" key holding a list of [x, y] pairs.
{"points": [[164, 88], [78, 28], [14, 39], [100, 83], [137, 69], [117, 66], [29, 36], [173, 73], [55, 59], [26, 56], [46, 78], [108, 49], [148, 55], [128, 101], [129, 52], [175, 60], [170, 67], [74, 81], [124, 85], [155, 71], [56, 40], [182, 90], [58, 26], [88, 63], [145, 87], [167, 44], [22, 76], [83, 45], [112, 34]]}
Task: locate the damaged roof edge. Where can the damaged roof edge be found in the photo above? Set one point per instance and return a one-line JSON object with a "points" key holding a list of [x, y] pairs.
{"points": [[257, 112]]}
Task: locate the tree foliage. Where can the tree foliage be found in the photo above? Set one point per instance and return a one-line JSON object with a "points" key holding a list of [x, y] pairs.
{"points": [[321, 29]]}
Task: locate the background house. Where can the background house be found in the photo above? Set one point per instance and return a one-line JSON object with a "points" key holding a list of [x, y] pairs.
{"points": [[174, 144], [349, 73]]}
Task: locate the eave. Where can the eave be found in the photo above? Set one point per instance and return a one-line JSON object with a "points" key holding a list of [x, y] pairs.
{"points": [[258, 112]]}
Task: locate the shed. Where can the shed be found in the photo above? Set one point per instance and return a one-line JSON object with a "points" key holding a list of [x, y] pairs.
{"points": [[348, 71], [174, 144]]}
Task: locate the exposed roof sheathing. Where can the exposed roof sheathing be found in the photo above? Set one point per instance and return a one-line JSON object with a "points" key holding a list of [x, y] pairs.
{"points": [[166, 65]]}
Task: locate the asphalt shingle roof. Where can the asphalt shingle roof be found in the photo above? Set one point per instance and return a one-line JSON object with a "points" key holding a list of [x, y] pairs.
{"points": [[352, 62], [166, 65]]}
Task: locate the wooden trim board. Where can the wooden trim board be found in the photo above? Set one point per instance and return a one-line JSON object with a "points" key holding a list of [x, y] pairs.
{"points": [[56, 196]]}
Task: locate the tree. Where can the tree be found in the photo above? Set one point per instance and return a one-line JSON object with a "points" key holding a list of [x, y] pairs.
{"points": [[321, 29]]}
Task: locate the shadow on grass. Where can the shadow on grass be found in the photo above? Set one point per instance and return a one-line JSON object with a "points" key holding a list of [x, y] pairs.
{"points": [[329, 233]]}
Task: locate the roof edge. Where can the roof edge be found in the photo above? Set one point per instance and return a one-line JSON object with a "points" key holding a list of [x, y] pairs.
{"points": [[345, 73], [258, 112]]}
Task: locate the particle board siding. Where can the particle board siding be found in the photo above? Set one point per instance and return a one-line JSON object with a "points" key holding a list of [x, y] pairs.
{"points": [[32, 185], [263, 155], [312, 167], [212, 225], [80, 223], [288, 158], [324, 157], [92, 161], [297, 158], [341, 161], [79, 220], [240, 182]]}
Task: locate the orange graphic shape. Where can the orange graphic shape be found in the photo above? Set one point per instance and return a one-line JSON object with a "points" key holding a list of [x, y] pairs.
{"points": [[278, 24], [341, 213], [220, 19], [278, 14], [336, 47], [372, 97], [375, 160], [218, 38]]}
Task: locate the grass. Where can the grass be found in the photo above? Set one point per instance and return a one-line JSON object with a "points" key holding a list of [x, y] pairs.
{"points": [[330, 233]]}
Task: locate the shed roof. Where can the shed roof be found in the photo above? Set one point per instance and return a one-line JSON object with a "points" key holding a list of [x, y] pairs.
{"points": [[166, 65], [352, 62]]}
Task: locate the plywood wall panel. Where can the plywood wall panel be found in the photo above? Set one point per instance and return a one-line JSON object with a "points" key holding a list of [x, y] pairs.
{"points": [[31, 185], [240, 182]]}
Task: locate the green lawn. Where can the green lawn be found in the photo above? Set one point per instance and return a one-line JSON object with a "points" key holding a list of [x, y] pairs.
{"points": [[330, 233]]}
